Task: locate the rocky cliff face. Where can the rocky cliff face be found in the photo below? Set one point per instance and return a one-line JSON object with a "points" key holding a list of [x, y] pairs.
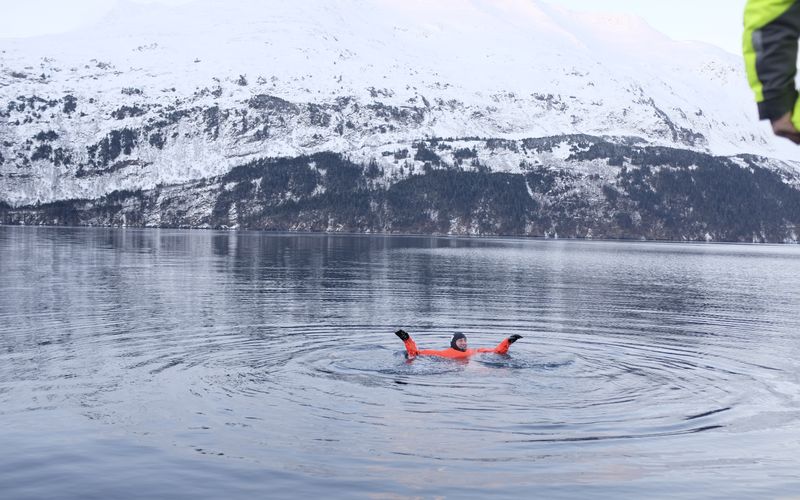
{"points": [[466, 117]]}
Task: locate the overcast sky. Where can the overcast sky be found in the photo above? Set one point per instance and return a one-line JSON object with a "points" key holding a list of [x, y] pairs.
{"points": [[718, 22]]}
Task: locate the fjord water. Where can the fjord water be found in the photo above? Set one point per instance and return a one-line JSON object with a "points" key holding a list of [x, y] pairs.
{"points": [[199, 364]]}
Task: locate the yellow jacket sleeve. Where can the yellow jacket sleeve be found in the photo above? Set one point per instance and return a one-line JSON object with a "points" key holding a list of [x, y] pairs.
{"points": [[769, 43]]}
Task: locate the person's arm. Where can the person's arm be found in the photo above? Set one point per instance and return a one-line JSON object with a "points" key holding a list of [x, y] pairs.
{"points": [[411, 346], [769, 42], [502, 347]]}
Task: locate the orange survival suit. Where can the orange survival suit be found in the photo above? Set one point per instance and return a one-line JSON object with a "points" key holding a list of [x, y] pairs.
{"points": [[452, 352]]}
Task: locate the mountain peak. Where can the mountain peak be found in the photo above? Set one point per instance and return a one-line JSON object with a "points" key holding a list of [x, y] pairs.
{"points": [[537, 69]]}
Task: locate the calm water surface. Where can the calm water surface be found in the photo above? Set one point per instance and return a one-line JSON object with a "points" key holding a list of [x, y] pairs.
{"points": [[184, 364]]}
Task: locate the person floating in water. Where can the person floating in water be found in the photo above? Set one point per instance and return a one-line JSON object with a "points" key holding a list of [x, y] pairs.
{"points": [[458, 347]]}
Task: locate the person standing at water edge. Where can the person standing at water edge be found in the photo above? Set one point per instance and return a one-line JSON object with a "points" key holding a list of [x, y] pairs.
{"points": [[458, 347], [769, 42]]}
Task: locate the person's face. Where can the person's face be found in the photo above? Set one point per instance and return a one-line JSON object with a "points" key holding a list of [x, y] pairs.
{"points": [[461, 343]]}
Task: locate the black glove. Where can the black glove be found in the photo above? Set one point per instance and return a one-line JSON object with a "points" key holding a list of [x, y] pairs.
{"points": [[514, 338], [402, 334]]}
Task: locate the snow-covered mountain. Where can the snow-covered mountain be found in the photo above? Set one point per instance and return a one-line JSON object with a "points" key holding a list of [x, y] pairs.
{"points": [[158, 95]]}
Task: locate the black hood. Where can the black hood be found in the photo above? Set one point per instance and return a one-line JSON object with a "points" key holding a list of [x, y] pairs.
{"points": [[457, 336]]}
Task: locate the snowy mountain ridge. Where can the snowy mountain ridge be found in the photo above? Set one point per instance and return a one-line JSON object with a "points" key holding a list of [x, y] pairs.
{"points": [[160, 95]]}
